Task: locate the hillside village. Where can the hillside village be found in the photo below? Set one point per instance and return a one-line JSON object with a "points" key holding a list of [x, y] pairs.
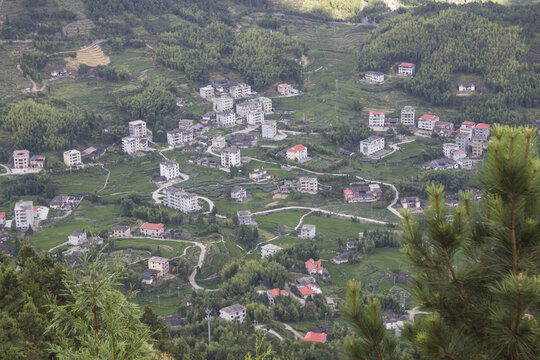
{"points": [[236, 106], [233, 204]]}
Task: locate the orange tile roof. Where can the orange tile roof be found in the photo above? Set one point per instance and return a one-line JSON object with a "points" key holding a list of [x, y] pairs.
{"points": [[150, 226], [297, 148], [315, 337]]}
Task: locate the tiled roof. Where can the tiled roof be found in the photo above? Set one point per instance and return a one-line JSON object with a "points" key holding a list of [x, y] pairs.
{"points": [[315, 337], [150, 226]]}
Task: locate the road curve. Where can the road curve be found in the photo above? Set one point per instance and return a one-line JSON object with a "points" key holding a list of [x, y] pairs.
{"points": [[347, 216]]}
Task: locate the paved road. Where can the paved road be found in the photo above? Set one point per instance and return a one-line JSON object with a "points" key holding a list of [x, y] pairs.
{"points": [[156, 194], [415, 311], [296, 333], [106, 179], [8, 170], [302, 220], [347, 216], [263, 327]]}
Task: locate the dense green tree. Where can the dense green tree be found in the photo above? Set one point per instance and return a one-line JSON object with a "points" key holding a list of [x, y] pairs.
{"points": [[100, 321]]}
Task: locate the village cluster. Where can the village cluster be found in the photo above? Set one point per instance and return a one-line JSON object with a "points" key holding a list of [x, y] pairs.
{"points": [[237, 104]]}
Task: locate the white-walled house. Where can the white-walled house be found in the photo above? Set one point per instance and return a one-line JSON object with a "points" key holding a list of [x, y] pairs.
{"points": [[371, 145], [230, 157], [160, 264], [137, 128], [307, 231], [376, 119], [233, 312], [151, 229], [269, 250], [374, 77], [406, 69], [427, 122], [24, 215], [77, 237], [297, 152], [269, 129], [169, 169], [207, 91], [72, 158], [408, 116], [226, 118], [181, 200], [21, 159]]}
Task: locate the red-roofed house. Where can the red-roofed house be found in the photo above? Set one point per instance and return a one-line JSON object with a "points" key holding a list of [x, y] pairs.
{"points": [[277, 292], [427, 122], [315, 337], [443, 128], [406, 69], [150, 229], [297, 152], [467, 127], [314, 267], [306, 291], [2, 219], [376, 119], [284, 89]]}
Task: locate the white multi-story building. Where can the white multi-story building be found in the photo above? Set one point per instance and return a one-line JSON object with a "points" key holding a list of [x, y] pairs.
{"points": [[226, 118], [376, 119], [72, 158], [266, 104], [222, 103], [297, 152], [244, 218], [21, 159], [371, 145], [269, 250], [467, 127], [244, 107], [77, 237], [408, 115], [240, 90], [462, 141], [284, 89], [169, 169], [255, 117], [181, 200], [160, 264], [131, 144], [269, 129], [206, 92], [427, 122], [307, 231], [406, 69], [238, 194], [137, 128], [218, 142], [230, 157], [233, 312], [449, 149], [179, 137], [374, 77], [481, 130], [309, 185], [24, 215]]}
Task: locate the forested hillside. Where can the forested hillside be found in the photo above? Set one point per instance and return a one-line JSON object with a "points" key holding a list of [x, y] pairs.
{"points": [[487, 40]]}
